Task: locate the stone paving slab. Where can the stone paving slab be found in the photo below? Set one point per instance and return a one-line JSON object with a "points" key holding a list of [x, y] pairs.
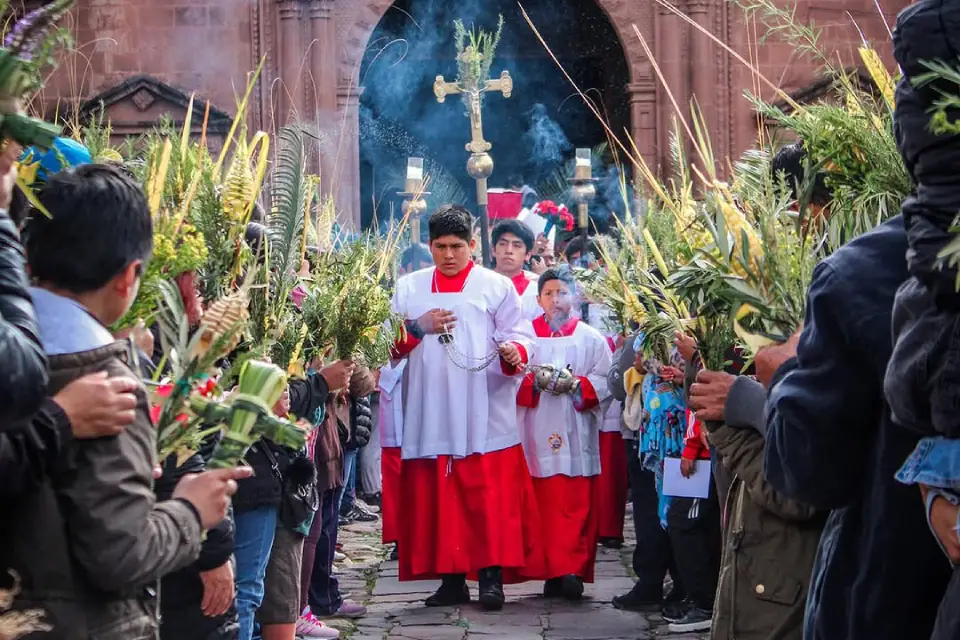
{"points": [[396, 610]]}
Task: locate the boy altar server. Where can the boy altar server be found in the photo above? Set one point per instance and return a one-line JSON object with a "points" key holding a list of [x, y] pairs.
{"points": [[560, 424], [466, 495], [512, 247]]}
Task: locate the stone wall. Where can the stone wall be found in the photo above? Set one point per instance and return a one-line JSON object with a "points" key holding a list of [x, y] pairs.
{"points": [[313, 48]]}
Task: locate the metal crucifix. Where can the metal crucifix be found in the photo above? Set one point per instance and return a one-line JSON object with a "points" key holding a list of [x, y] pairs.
{"points": [[480, 163]]}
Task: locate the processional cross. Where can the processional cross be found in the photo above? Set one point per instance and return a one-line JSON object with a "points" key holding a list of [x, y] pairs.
{"points": [[480, 163]]}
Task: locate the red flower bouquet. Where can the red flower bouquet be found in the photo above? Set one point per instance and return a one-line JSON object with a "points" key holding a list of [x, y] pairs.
{"points": [[557, 216]]}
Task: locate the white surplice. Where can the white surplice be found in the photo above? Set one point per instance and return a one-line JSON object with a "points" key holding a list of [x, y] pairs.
{"points": [[531, 308], [447, 409], [558, 439], [390, 420]]}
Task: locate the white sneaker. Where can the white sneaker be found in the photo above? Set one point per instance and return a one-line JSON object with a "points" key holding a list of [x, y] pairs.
{"points": [[339, 557], [309, 626]]}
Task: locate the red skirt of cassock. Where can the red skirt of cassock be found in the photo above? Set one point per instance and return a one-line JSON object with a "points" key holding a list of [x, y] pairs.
{"points": [[390, 493], [612, 498], [568, 519], [463, 515]]}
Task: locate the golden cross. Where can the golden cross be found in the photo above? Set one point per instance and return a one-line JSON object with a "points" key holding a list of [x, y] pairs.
{"points": [[480, 165], [504, 85]]}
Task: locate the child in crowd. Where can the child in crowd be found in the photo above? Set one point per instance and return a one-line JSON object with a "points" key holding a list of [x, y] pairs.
{"points": [[559, 422]]}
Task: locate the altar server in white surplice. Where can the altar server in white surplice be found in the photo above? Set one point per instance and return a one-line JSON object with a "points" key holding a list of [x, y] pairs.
{"points": [[467, 498], [560, 419]]}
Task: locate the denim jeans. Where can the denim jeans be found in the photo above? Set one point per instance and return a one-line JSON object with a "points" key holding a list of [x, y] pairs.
{"points": [[254, 540], [347, 496]]}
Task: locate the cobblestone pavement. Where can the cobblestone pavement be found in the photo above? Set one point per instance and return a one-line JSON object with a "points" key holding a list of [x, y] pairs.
{"points": [[396, 609]]}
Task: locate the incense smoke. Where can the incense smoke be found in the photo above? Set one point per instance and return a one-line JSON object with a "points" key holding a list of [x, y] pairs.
{"points": [[545, 139], [531, 136]]}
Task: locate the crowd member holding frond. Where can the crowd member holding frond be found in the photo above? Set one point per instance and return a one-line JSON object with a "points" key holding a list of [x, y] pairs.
{"points": [[120, 539], [466, 491], [832, 445]]}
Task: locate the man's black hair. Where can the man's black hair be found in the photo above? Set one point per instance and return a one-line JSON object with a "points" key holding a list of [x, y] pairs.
{"points": [[576, 246], [414, 256], [100, 223], [257, 214], [518, 229], [255, 235], [790, 161], [451, 220], [561, 274]]}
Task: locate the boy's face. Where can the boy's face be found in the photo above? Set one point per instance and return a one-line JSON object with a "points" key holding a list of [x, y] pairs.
{"points": [[556, 300], [123, 291], [510, 253], [451, 254]]}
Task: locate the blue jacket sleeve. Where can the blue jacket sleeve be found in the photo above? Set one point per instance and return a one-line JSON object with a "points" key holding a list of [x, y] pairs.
{"points": [[824, 403]]}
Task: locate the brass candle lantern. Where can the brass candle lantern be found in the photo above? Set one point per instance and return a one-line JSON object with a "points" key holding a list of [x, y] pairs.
{"points": [[480, 163], [414, 205], [583, 190]]}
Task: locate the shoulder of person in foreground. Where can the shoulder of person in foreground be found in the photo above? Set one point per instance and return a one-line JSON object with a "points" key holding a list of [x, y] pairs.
{"points": [[120, 534], [742, 452], [23, 374], [32, 449], [827, 402]]}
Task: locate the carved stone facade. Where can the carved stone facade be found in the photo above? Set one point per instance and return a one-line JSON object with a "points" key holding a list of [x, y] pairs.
{"points": [[312, 51]]}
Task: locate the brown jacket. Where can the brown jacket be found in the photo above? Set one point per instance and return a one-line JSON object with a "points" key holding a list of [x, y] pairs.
{"points": [[90, 540], [328, 456], [770, 543]]}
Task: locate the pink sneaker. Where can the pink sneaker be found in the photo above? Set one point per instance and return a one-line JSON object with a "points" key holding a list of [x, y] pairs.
{"points": [[350, 610], [309, 626]]}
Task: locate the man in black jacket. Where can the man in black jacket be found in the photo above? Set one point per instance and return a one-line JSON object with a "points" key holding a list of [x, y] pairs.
{"points": [[23, 366], [832, 445]]}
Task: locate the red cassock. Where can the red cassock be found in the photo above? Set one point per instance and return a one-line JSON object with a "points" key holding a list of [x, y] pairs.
{"points": [[458, 515], [463, 515], [390, 494], [612, 484]]}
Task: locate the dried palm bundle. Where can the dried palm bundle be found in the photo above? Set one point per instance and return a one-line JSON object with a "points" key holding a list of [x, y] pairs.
{"points": [[192, 364]]}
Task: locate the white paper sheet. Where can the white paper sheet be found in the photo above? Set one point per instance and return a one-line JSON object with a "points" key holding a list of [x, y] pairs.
{"points": [[696, 486]]}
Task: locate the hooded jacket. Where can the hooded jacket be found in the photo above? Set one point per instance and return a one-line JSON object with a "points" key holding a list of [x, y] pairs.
{"points": [[770, 541], [831, 444], [923, 377], [89, 541]]}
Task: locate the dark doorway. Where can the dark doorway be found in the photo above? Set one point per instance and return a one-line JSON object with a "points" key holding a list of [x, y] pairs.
{"points": [[534, 133]]}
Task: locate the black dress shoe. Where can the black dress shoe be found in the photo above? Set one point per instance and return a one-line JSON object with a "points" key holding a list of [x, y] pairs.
{"points": [[453, 591], [611, 543], [553, 588], [395, 553], [572, 587], [491, 589]]}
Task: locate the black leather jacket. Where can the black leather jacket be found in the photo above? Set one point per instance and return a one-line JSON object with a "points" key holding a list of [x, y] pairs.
{"points": [[23, 367]]}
